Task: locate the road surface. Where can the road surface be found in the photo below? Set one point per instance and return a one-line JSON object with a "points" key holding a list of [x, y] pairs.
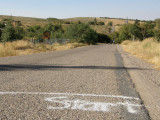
{"points": [[82, 83]]}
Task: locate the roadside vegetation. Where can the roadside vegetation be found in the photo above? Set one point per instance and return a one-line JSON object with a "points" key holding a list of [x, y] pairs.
{"points": [[146, 42], [22, 47], [148, 49], [17, 40], [142, 37]]}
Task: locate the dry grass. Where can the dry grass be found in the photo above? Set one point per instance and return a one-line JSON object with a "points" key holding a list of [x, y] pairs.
{"points": [[22, 47], [148, 49], [100, 29], [30, 21], [88, 19]]}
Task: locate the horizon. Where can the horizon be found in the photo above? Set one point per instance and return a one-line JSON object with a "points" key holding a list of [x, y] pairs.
{"points": [[62, 9], [75, 17]]}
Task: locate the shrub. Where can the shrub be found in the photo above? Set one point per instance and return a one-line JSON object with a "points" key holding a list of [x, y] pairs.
{"points": [[7, 19], [101, 23], [67, 23], [110, 23], [91, 23], [157, 23], [81, 33], [19, 33], [8, 33], [157, 34]]}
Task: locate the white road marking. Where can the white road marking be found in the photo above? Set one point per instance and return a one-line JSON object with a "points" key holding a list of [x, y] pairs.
{"points": [[88, 105], [69, 94], [77, 104]]}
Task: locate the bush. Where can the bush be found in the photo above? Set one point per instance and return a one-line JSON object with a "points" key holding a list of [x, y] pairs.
{"points": [[33, 31], [8, 33], [115, 37], [67, 22], [81, 33], [110, 23], [157, 23], [52, 19], [7, 19], [147, 29], [101, 23], [19, 33], [124, 32], [157, 34], [96, 23], [57, 34], [2, 25], [91, 23]]}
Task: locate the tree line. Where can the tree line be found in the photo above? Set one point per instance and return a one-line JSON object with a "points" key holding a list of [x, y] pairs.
{"points": [[137, 31], [81, 32], [77, 32]]}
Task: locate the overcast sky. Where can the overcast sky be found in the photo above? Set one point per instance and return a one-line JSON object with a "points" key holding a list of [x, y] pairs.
{"points": [[133, 9]]}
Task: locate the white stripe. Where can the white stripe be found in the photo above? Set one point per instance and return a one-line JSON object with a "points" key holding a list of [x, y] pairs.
{"points": [[67, 94], [89, 106]]}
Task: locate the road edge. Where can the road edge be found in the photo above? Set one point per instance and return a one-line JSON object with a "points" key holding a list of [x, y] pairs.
{"points": [[127, 88]]}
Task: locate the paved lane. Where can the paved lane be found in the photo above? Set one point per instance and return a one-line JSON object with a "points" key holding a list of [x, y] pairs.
{"points": [[82, 83]]}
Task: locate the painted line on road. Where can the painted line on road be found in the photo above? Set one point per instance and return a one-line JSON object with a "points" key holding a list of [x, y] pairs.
{"points": [[78, 104], [68, 94]]}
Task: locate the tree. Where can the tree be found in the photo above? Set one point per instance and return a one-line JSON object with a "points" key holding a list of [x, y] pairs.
{"points": [[57, 34], [124, 33], [157, 30], [110, 23], [95, 21], [157, 34], [19, 23], [49, 27], [91, 22], [8, 33], [19, 33], [134, 31], [157, 23], [115, 37], [137, 22], [100, 23], [67, 22], [2, 25], [81, 33], [34, 31], [147, 29]]}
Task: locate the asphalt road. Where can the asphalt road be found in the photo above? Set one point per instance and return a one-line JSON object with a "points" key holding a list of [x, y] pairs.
{"points": [[83, 83]]}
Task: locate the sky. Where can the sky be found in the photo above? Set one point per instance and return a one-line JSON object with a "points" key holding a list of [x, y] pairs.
{"points": [[133, 9]]}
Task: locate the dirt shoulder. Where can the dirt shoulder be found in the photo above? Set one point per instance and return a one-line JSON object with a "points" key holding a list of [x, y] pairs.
{"points": [[146, 80]]}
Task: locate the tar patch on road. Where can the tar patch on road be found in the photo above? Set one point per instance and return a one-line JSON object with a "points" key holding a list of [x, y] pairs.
{"points": [[126, 87]]}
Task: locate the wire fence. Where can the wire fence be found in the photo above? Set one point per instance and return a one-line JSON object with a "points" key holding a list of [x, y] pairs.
{"points": [[51, 41]]}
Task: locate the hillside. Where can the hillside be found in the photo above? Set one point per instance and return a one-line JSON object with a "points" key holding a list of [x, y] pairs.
{"points": [[29, 21], [105, 20], [117, 22]]}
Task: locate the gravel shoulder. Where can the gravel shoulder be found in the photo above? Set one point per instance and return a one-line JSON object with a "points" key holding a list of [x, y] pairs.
{"points": [[146, 80]]}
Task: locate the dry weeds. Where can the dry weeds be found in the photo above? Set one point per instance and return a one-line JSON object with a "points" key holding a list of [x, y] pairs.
{"points": [[22, 47], [149, 49]]}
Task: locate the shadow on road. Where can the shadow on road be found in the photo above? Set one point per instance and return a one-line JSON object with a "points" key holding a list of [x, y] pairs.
{"points": [[51, 67]]}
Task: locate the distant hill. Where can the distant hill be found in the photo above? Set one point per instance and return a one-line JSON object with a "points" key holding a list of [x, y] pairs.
{"points": [[29, 21], [115, 21]]}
